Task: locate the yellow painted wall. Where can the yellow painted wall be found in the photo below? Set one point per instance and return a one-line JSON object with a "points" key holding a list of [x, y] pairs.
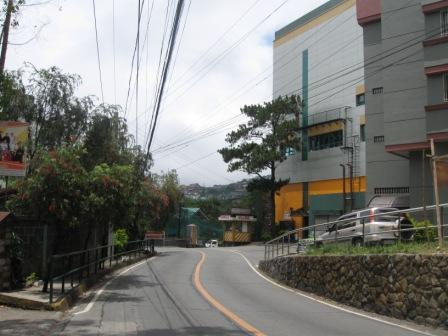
{"points": [[325, 128], [328, 187], [291, 195]]}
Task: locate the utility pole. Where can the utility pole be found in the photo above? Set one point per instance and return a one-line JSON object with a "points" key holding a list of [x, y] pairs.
{"points": [[436, 193], [5, 34]]}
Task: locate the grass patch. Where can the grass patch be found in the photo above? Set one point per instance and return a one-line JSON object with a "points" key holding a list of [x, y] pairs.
{"points": [[348, 249]]}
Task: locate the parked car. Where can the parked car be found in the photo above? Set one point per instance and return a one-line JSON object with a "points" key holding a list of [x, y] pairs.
{"points": [[376, 228], [211, 243]]}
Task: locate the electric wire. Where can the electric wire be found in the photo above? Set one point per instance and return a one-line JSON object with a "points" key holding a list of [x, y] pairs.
{"points": [[98, 50], [132, 69], [201, 73], [114, 52], [165, 70], [350, 84]]}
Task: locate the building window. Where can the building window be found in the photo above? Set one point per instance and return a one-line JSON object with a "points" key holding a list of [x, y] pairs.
{"points": [[362, 132], [378, 138], [360, 99], [445, 86], [444, 22], [377, 90], [327, 140], [391, 190]]}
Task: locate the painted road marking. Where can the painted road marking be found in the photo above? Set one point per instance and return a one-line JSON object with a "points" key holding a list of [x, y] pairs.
{"points": [[326, 303], [228, 313], [101, 290]]}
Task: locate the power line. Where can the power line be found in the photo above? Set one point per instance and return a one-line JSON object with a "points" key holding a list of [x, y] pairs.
{"points": [[207, 68], [132, 68], [272, 66], [98, 51], [220, 38], [114, 51], [139, 15], [165, 69], [180, 42], [156, 87], [350, 84], [197, 160]]}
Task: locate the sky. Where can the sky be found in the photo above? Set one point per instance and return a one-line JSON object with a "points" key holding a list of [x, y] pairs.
{"points": [[222, 61]]}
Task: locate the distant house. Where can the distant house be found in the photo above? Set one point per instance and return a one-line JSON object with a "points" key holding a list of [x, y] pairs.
{"points": [[239, 226]]}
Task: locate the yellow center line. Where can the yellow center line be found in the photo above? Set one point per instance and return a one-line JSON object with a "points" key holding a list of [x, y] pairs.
{"points": [[228, 313]]}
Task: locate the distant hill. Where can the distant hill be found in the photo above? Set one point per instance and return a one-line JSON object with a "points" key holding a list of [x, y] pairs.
{"points": [[230, 191]]}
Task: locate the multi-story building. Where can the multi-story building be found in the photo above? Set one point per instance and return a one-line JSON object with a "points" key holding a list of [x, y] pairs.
{"points": [[406, 80], [320, 56]]}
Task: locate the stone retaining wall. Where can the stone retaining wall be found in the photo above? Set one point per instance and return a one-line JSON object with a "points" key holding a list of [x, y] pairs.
{"points": [[413, 287]]}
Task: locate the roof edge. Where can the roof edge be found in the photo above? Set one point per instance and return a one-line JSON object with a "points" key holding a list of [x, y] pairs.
{"points": [[329, 5]]}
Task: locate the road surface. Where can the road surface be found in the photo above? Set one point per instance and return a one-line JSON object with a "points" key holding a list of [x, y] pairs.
{"points": [[212, 292]]}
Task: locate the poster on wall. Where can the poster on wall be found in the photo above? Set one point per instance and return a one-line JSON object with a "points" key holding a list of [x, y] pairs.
{"points": [[13, 139]]}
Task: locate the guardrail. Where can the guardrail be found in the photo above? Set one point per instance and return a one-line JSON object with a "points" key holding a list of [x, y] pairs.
{"points": [[293, 242], [78, 265]]}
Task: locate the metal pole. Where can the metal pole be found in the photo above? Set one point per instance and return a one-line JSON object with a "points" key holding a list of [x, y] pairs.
{"points": [[351, 186], [344, 200], [283, 245], [289, 241], [363, 231], [436, 194], [424, 185]]}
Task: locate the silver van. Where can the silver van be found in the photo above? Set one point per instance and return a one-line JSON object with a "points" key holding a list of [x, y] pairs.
{"points": [[377, 228]]}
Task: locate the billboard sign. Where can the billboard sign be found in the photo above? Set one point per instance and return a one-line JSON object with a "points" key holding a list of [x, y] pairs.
{"points": [[13, 139]]}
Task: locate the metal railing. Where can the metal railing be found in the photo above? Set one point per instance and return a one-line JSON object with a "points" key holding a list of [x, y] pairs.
{"points": [[326, 116], [78, 265], [293, 241]]}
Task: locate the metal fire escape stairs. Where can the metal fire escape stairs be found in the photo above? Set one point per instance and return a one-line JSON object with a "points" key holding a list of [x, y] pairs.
{"points": [[351, 149]]}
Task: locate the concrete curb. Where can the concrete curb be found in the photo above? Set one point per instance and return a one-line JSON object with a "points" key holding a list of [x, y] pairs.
{"points": [[12, 301], [71, 296]]}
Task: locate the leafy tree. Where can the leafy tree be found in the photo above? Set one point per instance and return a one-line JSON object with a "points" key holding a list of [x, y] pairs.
{"points": [[60, 117], [168, 183], [150, 204], [53, 192], [260, 144], [15, 102], [106, 139]]}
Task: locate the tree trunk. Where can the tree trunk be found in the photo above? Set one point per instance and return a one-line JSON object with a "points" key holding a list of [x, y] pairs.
{"points": [[5, 36]]}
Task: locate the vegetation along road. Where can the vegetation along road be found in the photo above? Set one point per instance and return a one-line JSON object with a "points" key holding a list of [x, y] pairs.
{"points": [[215, 291]]}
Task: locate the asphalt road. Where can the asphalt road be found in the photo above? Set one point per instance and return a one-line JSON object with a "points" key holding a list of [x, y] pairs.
{"points": [[161, 297]]}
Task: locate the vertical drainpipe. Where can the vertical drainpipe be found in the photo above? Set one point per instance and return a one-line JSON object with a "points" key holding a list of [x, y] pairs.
{"points": [[305, 105], [344, 193], [305, 121]]}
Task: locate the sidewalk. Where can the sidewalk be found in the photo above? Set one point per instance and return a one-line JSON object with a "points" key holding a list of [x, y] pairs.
{"points": [[33, 298], [15, 322]]}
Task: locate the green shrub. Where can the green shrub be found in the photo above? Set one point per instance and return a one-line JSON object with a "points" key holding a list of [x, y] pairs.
{"points": [[31, 279], [425, 231], [266, 237], [120, 240]]}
